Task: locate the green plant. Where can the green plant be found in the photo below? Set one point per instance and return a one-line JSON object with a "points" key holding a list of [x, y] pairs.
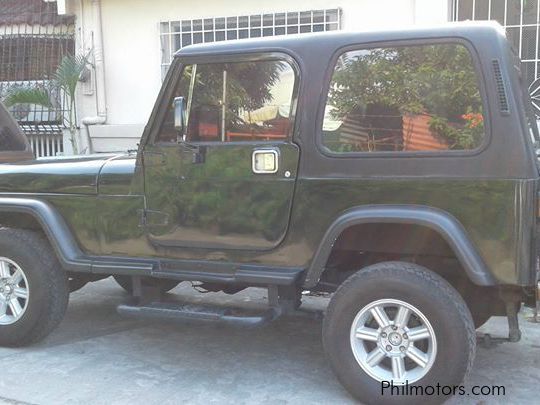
{"points": [[248, 87], [28, 95], [465, 136], [65, 78], [437, 80]]}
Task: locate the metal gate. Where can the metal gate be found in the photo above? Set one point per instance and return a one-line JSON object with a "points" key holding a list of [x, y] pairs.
{"points": [[33, 41]]}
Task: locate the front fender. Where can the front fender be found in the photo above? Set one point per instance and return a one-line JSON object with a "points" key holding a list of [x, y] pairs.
{"points": [[71, 257], [55, 228], [443, 223]]}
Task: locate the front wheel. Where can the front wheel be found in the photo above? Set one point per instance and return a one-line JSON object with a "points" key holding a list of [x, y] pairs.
{"points": [[33, 288], [396, 324]]}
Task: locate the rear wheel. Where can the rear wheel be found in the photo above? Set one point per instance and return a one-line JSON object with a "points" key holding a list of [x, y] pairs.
{"points": [[33, 288], [398, 323], [164, 285]]}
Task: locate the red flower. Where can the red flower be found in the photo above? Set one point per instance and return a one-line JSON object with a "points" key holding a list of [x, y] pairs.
{"points": [[473, 119]]}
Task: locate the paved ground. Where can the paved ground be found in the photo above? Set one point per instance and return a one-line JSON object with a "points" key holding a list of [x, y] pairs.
{"points": [[98, 357]]}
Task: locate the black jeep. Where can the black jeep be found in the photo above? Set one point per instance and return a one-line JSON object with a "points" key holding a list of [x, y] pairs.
{"points": [[396, 170]]}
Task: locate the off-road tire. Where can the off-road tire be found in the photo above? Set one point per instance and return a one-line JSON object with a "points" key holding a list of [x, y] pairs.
{"points": [[438, 301], [47, 285], [164, 285]]}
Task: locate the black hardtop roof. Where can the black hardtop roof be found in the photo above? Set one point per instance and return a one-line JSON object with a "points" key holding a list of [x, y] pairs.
{"points": [[337, 39]]}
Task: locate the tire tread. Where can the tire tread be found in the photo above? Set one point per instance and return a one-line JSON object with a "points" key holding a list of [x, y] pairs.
{"points": [[56, 285], [404, 270]]}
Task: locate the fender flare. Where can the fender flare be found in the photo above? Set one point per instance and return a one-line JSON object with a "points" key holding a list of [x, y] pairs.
{"points": [[440, 221], [65, 245], [56, 230]]}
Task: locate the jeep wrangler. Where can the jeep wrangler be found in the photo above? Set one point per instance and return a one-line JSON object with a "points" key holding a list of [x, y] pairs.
{"points": [[394, 170]]}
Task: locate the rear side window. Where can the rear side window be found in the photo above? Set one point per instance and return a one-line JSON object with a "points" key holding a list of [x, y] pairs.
{"points": [[404, 99]]}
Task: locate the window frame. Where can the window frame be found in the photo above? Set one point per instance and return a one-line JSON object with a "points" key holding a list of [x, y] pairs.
{"points": [[393, 154], [174, 75]]}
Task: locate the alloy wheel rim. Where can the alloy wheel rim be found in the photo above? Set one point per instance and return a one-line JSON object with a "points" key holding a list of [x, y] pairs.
{"points": [[14, 292], [393, 341]]}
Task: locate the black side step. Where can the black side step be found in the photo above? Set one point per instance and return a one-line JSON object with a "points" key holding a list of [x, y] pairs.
{"points": [[178, 311]]}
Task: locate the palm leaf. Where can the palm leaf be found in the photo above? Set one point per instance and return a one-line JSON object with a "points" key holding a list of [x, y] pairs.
{"points": [[68, 72], [27, 95]]}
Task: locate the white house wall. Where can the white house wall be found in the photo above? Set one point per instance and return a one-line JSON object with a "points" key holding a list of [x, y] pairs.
{"points": [[132, 55]]}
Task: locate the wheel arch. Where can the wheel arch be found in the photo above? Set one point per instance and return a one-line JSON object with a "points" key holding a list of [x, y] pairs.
{"points": [[441, 222], [53, 226]]}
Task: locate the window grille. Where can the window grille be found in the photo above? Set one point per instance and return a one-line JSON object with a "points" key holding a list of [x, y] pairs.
{"points": [[177, 34], [33, 41], [520, 18]]}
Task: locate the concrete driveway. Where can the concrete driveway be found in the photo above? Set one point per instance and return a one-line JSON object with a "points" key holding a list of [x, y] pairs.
{"points": [[99, 357]]}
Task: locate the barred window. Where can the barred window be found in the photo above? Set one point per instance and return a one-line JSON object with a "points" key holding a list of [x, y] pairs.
{"points": [[32, 57], [520, 18], [177, 34]]}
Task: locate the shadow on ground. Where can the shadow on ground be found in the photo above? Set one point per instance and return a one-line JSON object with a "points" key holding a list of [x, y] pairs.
{"points": [[99, 357]]}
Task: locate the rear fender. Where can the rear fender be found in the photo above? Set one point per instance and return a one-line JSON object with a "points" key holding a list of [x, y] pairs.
{"points": [[439, 221]]}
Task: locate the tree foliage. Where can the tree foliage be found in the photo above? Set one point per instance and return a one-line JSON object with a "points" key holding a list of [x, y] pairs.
{"points": [[248, 86], [65, 78], [438, 80], [28, 95]]}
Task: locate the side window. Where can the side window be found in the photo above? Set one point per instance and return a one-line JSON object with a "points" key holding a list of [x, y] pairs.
{"points": [[407, 98], [231, 102]]}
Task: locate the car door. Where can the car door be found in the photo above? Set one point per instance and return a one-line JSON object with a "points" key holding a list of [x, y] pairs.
{"points": [[227, 181]]}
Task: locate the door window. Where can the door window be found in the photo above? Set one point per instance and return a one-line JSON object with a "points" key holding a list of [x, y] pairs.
{"points": [[404, 99], [234, 102]]}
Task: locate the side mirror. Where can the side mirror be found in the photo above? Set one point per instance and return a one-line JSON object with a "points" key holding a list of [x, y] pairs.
{"points": [[179, 104]]}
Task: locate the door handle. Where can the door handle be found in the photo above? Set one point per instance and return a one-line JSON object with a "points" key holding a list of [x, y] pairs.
{"points": [[265, 161]]}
